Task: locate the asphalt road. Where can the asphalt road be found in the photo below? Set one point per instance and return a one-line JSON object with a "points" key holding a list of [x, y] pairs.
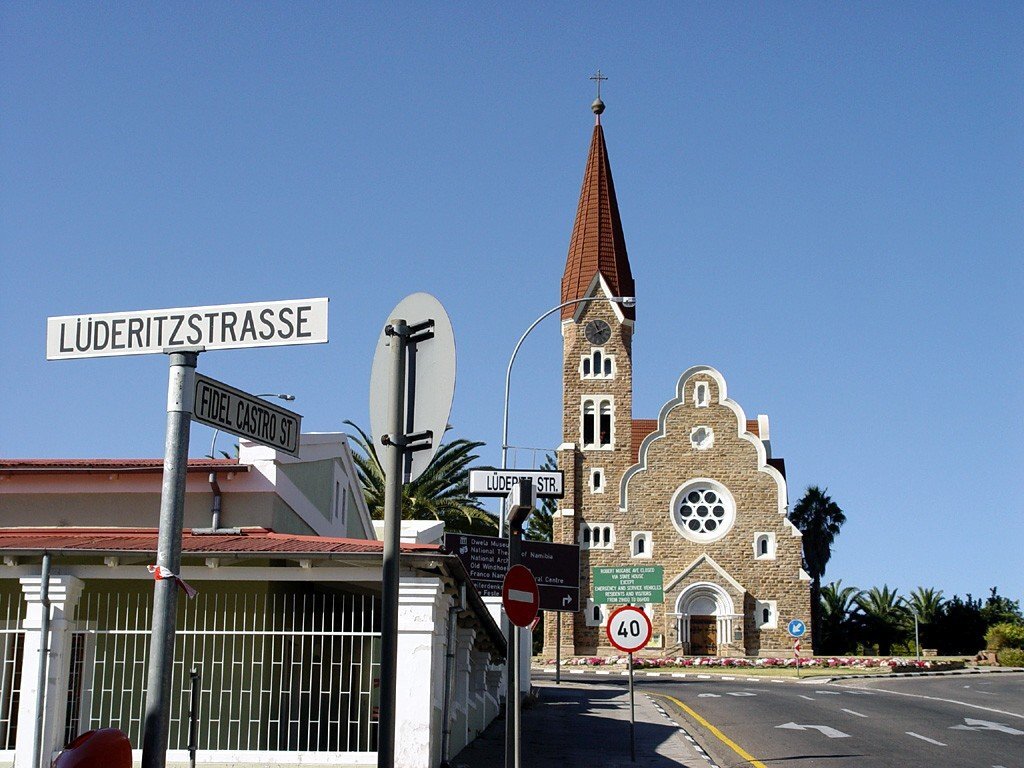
{"points": [[960, 721]]}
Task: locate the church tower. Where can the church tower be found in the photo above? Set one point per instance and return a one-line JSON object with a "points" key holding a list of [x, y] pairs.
{"points": [[597, 384]]}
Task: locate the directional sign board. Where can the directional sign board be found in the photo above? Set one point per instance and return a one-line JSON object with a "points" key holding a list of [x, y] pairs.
{"points": [[232, 410], [152, 331], [556, 567], [519, 596], [628, 584], [629, 629], [796, 628], [499, 482]]}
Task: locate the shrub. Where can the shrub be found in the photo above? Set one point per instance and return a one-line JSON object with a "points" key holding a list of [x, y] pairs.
{"points": [[1011, 657], [1004, 635]]}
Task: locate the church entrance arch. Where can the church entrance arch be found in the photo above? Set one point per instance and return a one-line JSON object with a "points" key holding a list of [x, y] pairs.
{"points": [[705, 613]]}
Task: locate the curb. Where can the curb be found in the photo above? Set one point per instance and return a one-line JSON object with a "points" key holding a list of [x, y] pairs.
{"points": [[816, 680]]}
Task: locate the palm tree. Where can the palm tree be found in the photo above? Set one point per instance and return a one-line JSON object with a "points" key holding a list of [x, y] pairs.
{"points": [[838, 604], [927, 604], [819, 520], [440, 493], [883, 617]]}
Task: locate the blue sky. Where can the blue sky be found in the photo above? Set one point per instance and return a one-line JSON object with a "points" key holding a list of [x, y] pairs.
{"points": [[824, 201]]}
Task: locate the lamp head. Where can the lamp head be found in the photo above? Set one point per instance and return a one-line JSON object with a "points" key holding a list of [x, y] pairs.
{"points": [[626, 301]]}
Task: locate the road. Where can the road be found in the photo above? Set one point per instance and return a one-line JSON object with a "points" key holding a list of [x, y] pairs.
{"points": [[960, 721]]}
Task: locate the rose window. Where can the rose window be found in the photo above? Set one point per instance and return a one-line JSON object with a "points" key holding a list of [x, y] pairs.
{"points": [[703, 511]]}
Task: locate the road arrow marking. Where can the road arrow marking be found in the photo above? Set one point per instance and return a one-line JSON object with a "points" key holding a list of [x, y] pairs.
{"points": [[985, 725], [832, 733], [925, 738]]}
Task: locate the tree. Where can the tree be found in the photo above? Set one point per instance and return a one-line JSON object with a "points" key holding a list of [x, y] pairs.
{"points": [[882, 617], [960, 627], [819, 519], [1001, 610], [440, 493], [838, 625], [926, 603]]}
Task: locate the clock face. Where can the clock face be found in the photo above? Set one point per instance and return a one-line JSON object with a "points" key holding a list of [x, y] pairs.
{"points": [[598, 332]]}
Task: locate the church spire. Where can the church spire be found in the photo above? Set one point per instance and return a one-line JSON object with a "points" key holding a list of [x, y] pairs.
{"points": [[597, 245]]}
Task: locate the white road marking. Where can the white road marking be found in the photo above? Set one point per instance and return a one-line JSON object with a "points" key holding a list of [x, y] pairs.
{"points": [[728, 678], [575, 671], [809, 698], [825, 730], [654, 674], [858, 714], [678, 674], [948, 701], [985, 725], [708, 696], [703, 677], [603, 672], [925, 738], [829, 693], [741, 693]]}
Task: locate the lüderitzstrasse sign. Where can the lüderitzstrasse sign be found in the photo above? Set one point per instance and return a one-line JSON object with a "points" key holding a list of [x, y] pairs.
{"points": [[151, 331]]}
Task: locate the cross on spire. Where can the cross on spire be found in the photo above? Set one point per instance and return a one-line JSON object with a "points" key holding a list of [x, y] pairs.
{"points": [[598, 77]]}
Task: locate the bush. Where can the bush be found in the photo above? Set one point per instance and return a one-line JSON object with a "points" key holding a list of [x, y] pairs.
{"points": [[1011, 657], [1000, 636]]}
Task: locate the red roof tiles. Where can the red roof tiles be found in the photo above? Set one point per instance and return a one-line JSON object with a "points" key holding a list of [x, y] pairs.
{"points": [[597, 243], [249, 541], [641, 429]]}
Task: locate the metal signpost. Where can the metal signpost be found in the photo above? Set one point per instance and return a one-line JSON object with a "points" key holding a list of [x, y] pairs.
{"points": [[629, 629], [411, 388], [231, 410], [181, 334], [796, 629], [628, 584]]}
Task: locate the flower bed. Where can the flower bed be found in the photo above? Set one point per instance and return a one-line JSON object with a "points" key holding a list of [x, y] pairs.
{"points": [[834, 662]]}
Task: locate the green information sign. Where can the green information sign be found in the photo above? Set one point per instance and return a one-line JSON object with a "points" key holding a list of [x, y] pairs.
{"points": [[628, 584]]}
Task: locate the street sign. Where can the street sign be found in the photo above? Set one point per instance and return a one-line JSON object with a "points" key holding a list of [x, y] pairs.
{"points": [[796, 628], [519, 596], [500, 482], [629, 629], [628, 584], [152, 331], [556, 567], [430, 379], [223, 407]]}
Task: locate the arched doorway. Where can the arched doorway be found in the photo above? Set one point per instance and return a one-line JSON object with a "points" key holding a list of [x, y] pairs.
{"points": [[704, 614]]}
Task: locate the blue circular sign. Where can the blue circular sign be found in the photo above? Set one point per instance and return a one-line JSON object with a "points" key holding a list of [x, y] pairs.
{"points": [[796, 628]]}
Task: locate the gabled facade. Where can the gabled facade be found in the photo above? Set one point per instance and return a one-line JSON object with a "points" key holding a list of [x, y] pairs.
{"points": [[696, 490]]}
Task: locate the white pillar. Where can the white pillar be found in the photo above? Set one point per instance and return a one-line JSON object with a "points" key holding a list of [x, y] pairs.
{"points": [[421, 608], [459, 715], [64, 592]]}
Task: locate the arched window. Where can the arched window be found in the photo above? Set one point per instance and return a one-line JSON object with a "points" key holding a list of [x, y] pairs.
{"points": [[766, 615], [640, 545], [588, 423], [597, 361], [597, 613], [586, 366], [607, 535], [607, 366], [606, 423], [700, 395], [763, 546]]}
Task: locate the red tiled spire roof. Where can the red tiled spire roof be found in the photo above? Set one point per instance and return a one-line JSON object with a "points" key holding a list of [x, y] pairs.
{"points": [[597, 243]]}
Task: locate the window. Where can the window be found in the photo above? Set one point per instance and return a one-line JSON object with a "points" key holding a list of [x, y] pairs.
{"points": [[766, 614], [701, 397], [703, 510], [597, 480], [764, 546], [597, 536], [641, 544], [597, 427], [597, 365], [596, 614]]}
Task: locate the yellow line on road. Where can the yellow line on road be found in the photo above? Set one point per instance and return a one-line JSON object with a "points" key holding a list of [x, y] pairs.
{"points": [[721, 736]]}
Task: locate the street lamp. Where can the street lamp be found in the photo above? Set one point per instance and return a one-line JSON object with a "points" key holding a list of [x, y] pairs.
{"points": [[281, 396], [626, 301]]}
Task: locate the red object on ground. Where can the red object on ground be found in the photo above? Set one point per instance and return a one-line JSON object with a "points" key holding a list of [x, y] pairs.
{"points": [[105, 748], [520, 596]]}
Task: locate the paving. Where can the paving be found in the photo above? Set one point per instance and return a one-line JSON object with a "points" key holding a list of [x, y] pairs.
{"points": [[572, 725]]}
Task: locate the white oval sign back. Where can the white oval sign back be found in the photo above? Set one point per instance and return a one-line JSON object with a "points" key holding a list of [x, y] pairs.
{"points": [[430, 377]]}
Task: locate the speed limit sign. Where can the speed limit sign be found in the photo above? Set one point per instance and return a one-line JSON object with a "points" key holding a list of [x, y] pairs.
{"points": [[629, 629]]}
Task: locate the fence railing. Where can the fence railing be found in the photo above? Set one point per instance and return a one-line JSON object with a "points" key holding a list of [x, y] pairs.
{"points": [[280, 671], [12, 643]]}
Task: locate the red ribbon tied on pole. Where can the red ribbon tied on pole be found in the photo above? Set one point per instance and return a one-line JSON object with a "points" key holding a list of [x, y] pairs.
{"points": [[161, 572]]}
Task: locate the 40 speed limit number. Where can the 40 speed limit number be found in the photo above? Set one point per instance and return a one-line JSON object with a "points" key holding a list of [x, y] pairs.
{"points": [[629, 629]]}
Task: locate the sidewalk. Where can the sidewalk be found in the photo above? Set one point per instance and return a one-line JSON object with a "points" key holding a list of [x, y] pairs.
{"points": [[587, 725]]}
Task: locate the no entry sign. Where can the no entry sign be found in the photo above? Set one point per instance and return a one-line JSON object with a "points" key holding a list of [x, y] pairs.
{"points": [[629, 629], [520, 596]]}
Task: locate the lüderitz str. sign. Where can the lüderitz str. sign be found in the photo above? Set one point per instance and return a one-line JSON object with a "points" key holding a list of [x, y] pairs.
{"points": [[152, 331], [232, 410], [499, 482]]}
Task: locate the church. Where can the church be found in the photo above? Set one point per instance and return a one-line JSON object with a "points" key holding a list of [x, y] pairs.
{"points": [[695, 490]]}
